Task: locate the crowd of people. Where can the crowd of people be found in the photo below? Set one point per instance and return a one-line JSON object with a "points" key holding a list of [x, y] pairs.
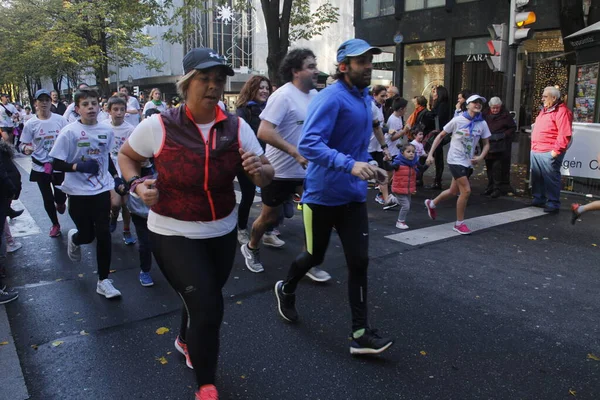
{"points": [[321, 149]]}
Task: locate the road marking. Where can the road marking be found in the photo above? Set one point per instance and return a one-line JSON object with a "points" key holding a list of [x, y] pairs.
{"points": [[24, 225], [444, 231], [23, 162]]}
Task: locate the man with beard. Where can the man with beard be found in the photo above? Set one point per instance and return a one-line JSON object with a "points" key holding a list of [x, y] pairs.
{"points": [[334, 141], [57, 107]]}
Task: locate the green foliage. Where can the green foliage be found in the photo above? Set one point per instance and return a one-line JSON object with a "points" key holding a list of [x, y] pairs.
{"points": [[306, 25]]}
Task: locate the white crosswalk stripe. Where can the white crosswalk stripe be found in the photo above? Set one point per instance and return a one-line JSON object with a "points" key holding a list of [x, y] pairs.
{"points": [[24, 225]]}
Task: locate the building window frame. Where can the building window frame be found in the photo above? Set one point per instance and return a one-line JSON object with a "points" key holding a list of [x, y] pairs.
{"points": [[380, 10], [426, 6]]}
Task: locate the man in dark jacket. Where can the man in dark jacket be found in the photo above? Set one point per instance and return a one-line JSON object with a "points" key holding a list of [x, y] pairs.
{"points": [[10, 182], [57, 107], [497, 161]]}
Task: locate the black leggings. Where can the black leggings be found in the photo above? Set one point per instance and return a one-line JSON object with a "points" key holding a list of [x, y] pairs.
{"points": [[198, 269], [47, 183], [248, 189], [91, 217], [438, 156], [144, 248], [352, 225]]}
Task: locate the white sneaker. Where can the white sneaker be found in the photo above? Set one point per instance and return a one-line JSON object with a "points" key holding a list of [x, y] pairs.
{"points": [[272, 241], [14, 246], [243, 236], [401, 225], [252, 259], [74, 251], [391, 202], [106, 289], [318, 275]]}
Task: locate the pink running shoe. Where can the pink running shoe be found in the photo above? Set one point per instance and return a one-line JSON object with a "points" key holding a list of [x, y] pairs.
{"points": [[55, 231], [462, 229], [207, 392], [430, 211], [182, 348]]}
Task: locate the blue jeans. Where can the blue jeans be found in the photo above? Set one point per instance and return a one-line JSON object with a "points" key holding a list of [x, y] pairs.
{"points": [[545, 178]]}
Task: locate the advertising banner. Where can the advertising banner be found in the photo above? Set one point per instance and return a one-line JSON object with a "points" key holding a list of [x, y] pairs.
{"points": [[581, 159]]}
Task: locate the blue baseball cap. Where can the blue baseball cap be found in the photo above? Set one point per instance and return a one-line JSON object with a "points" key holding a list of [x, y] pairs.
{"points": [[355, 48], [204, 58], [41, 92]]}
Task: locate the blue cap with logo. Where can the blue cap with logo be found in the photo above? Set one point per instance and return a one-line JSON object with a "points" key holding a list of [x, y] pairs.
{"points": [[355, 48], [41, 92], [204, 58]]}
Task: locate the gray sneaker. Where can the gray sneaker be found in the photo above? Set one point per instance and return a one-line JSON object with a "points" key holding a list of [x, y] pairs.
{"points": [[391, 202], [318, 275], [252, 259], [272, 240], [105, 288], [74, 251], [243, 236]]}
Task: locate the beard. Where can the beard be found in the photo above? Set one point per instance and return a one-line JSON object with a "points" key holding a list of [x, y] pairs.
{"points": [[360, 79]]}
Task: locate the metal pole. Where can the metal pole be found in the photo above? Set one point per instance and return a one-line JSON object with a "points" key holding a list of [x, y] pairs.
{"points": [[510, 77], [118, 72], [399, 67]]}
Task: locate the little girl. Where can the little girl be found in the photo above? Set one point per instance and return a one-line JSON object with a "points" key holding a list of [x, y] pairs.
{"points": [[405, 181]]}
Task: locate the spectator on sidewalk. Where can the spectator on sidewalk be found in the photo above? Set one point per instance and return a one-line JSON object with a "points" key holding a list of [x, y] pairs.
{"points": [[10, 184], [550, 138], [57, 107]]}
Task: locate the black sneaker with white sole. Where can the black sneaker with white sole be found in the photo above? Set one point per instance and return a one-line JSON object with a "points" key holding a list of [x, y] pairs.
{"points": [[286, 303], [370, 343]]}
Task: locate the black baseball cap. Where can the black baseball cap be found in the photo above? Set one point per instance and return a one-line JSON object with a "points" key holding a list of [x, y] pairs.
{"points": [[4, 95], [204, 58]]}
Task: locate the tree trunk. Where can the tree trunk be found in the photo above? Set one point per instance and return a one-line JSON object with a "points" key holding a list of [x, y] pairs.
{"points": [[101, 71], [278, 31], [594, 15], [571, 21]]}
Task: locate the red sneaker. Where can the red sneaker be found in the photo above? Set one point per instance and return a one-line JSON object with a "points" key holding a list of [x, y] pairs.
{"points": [[430, 210], [182, 348], [55, 231], [207, 392], [61, 208], [462, 229]]}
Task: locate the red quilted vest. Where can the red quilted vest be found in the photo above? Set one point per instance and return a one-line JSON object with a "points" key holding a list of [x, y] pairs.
{"points": [[405, 180], [196, 173]]}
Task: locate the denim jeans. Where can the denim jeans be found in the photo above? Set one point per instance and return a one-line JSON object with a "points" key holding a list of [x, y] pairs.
{"points": [[545, 178]]}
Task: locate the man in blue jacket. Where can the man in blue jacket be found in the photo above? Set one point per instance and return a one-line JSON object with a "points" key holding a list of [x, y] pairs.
{"points": [[334, 140]]}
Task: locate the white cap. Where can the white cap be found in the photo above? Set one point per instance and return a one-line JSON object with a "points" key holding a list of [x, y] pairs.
{"points": [[476, 97]]}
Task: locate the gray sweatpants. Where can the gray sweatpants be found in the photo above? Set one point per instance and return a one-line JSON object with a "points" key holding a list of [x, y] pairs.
{"points": [[404, 202]]}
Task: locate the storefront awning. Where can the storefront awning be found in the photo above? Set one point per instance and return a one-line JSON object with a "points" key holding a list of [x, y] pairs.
{"points": [[587, 37]]}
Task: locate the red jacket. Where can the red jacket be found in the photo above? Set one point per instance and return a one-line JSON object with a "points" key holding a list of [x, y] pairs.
{"points": [[405, 180], [552, 129]]}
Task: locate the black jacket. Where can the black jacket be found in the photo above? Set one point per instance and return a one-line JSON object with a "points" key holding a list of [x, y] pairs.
{"points": [[60, 109], [10, 177], [251, 114]]}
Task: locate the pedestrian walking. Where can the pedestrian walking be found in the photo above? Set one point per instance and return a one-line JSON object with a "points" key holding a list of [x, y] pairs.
{"points": [[7, 114], [404, 184], [155, 102], [433, 120]]}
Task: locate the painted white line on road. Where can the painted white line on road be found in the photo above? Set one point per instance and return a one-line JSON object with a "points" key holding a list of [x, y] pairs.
{"points": [[444, 231], [12, 380], [34, 285], [23, 162], [24, 225]]}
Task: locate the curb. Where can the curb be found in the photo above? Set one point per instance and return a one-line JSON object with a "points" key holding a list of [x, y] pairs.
{"points": [[11, 376]]}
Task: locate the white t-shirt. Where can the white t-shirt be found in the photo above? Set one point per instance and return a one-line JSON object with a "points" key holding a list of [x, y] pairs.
{"points": [[42, 134], [133, 104], [377, 116], [70, 113], [419, 150], [103, 116], [464, 141], [121, 134], [27, 117], [5, 120], [394, 124], [146, 140], [77, 142], [286, 109], [149, 104]]}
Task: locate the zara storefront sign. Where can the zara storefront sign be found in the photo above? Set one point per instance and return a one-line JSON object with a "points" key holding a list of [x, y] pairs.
{"points": [[476, 57], [581, 159]]}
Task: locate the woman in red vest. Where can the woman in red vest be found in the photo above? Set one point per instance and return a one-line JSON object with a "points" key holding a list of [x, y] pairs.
{"points": [[198, 149]]}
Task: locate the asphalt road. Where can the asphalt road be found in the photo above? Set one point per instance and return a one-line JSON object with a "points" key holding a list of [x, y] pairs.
{"points": [[496, 315]]}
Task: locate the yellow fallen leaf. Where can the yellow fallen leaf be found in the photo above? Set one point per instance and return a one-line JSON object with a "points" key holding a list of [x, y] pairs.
{"points": [[572, 392], [57, 343], [594, 244], [593, 357], [34, 346], [544, 238], [169, 352], [532, 238], [423, 352], [80, 275], [76, 312], [3, 343], [162, 330], [238, 302], [83, 333], [58, 280], [112, 271], [243, 376], [162, 360]]}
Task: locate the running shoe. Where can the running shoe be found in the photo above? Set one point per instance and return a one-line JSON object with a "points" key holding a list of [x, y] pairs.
{"points": [[128, 238], [13, 246], [379, 199], [113, 225], [391, 202], [286, 303], [106, 289], [146, 279], [369, 343], [182, 348], [401, 225], [272, 240], [430, 210], [318, 275], [243, 236], [61, 208], [252, 258], [463, 229], [274, 231], [7, 297], [297, 198], [207, 392], [55, 231], [73, 250], [574, 214]]}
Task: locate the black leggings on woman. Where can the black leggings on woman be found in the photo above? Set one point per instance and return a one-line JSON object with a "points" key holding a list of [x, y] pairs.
{"points": [[198, 269], [248, 189]]}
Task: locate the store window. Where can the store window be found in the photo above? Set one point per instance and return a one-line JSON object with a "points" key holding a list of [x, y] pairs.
{"points": [[376, 8], [411, 5], [465, 1], [423, 68], [384, 65]]}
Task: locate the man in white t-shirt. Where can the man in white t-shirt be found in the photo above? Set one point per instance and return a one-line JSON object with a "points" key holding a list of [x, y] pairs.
{"points": [[466, 130], [38, 137], [82, 150], [281, 128], [133, 108]]}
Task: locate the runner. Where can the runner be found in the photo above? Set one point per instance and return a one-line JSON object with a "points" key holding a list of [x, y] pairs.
{"points": [[70, 113], [83, 151], [335, 141], [117, 109], [7, 114], [466, 130], [39, 135], [155, 102], [193, 219], [280, 128], [133, 108]]}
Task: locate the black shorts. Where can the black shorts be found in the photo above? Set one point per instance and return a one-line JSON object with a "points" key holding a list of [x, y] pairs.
{"points": [[458, 171], [377, 156], [280, 191], [56, 178]]}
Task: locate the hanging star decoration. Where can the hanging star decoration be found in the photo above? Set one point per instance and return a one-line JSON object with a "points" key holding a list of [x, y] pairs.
{"points": [[225, 14]]}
